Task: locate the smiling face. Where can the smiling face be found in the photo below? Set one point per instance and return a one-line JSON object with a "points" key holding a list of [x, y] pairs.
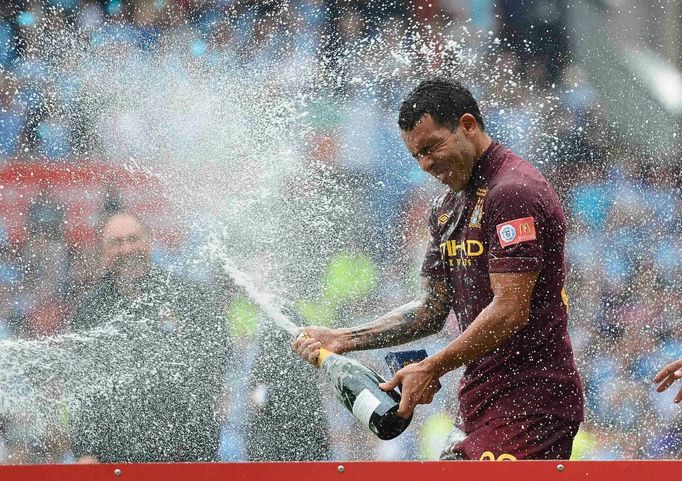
{"points": [[448, 156], [127, 247]]}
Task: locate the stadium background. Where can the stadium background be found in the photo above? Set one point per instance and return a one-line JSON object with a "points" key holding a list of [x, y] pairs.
{"points": [[621, 190]]}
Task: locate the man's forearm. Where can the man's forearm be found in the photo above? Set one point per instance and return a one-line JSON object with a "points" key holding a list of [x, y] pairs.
{"points": [[407, 323]]}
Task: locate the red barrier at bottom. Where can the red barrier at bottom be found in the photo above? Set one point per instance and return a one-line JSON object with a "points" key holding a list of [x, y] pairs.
{"points": [[356, 471]]}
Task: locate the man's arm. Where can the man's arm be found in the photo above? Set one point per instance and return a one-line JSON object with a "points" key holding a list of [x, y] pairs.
{"points": [[508, 312], [422, 317]]}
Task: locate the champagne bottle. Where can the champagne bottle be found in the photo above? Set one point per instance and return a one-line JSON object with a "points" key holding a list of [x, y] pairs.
{"points": [[357, 387]]}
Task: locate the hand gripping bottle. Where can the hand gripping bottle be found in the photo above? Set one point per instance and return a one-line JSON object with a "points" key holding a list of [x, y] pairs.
{"points": [[357, 387]]}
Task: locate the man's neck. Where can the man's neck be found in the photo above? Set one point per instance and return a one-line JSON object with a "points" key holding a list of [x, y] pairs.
{"points": [[482, 143]]}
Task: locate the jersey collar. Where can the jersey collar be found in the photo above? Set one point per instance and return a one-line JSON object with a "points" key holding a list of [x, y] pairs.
{"points": [[485, 166]]}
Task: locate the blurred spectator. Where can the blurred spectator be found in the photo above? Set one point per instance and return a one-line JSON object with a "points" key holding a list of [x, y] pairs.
{"points": [[286, 421], [46, 266], [12, 118], [534, 29], [178, 362]]}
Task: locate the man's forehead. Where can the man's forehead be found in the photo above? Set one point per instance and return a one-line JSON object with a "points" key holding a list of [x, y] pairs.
{"points": [[424, 129], [122, 225]]}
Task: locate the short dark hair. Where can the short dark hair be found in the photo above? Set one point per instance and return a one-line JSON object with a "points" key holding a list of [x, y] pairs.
{"points": [[443, 99]]}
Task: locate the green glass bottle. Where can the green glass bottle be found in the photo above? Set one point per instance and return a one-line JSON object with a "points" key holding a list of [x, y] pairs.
{"points": [[357, 387]]}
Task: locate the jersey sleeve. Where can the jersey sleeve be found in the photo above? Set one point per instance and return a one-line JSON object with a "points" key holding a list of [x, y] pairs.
{"points": [[514, 229], [433, 261]]}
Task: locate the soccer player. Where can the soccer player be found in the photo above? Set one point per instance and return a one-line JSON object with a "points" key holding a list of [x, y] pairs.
{"points": [[496, 258], [667, 376]]}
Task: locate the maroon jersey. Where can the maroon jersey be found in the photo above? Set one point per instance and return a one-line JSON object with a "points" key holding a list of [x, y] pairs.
{"points": [[509, 219], [516, 438]]}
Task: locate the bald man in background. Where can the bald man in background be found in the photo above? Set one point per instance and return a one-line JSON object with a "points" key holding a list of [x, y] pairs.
{"points": [[157, 401]]}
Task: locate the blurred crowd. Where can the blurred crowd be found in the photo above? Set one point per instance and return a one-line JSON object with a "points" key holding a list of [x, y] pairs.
{"points": [[624, 210]]}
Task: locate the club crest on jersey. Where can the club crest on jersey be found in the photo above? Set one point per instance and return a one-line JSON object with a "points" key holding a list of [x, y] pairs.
{"points": [[515, 231], [443, 218], [477, 213]]}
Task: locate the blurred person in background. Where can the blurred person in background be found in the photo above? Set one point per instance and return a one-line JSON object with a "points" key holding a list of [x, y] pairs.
{"points": [[286, 420], [45, 265], [496, 258], [179, 349]]}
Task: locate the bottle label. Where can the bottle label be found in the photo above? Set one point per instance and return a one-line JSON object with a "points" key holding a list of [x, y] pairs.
{"points": [[364, 406]]}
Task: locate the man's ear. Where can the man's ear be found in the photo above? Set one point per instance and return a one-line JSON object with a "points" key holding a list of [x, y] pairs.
{"points": [[468, 123]]}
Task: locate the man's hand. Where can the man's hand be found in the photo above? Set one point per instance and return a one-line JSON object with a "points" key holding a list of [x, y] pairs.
{"points": [[88, 459], [317, 337], [668, 375], [419, 384]]}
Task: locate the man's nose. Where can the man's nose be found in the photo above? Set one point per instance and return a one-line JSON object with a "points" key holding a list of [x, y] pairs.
{"points": [[127, 247]]}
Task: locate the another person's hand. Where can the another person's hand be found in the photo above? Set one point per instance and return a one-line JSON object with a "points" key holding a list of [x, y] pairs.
{"points": [[89, 459], [419, 383], [317, 337], [668, 375]]}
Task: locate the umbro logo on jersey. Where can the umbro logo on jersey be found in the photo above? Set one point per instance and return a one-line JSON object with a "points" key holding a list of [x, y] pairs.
{"points": [[443, 218]]}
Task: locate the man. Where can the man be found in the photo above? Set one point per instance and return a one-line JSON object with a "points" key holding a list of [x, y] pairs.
{"points": [[167, 361], [496, 258], [667, 376]]}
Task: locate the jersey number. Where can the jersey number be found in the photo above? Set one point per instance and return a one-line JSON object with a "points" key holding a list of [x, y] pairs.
{"points": [[488, 456]]}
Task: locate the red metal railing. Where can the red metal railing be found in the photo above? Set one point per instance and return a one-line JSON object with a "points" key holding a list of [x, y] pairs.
{"points": [[356, 471], [79, 188]]}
